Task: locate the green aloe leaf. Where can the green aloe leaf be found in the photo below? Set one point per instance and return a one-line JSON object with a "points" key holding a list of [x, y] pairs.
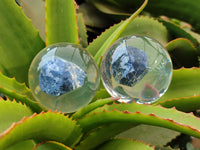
{"points": [[142, 114], [139, 26], [176, 31], [115, 7], [177, 9], [42, 127], [125, 144], [80, 113], [112, 34], [82, 32], [19, 41], [25, 145], [183, 53], [150, 134], [102, 134], [101, 94], [186, 104], [37, 16], [149, 27], [51, 145], [183, 92], [12, 112], [61, 24], [93, 17], [94, 47], [18, 91], [180, 9]]}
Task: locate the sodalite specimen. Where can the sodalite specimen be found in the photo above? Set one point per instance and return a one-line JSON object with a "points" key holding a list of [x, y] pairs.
{"points": [[129, 65], [59, 76]]}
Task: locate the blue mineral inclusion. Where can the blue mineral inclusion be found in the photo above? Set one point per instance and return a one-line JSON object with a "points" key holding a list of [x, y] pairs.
{"points": [[59, 76], [129, 65]]}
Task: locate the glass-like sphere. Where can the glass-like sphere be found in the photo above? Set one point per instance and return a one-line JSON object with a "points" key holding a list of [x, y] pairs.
{"points": [[63, 77], [136, 68]]}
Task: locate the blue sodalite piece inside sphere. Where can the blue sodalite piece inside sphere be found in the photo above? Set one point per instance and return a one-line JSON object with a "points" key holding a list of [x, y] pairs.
{"points": [[129, 65], [59, 76]]}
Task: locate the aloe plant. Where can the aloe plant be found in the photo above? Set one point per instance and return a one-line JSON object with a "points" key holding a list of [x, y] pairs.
{"points": [[26, 124]]}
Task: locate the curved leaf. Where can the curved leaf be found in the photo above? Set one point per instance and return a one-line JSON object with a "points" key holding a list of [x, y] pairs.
{"points": [[184, 84], [101, 94], [82, 31], [42, 127], [18, 91], [61, 24], [186, 104], [51, 145], [183, 53], [25, 145], [98, 42], [183, 92], [176, 31], [142, 114], [37, 16], [93, 17], [12, 112], [80, 113], [149, 27], [19, 41], [124, 144], [97, 137], [150, 134], [115, 7], [180, 9], [114, 35]]}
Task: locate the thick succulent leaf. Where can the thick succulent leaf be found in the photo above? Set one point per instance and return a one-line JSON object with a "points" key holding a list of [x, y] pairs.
{"points": [[124, 144], [61, 24], [37, 16], [183, 92], [82, 32], [185, 82], [12, 112], [93, 17], [139, 26], [186, 104], [183, 53], [101, 94], [176, 31], [101, 135], [42, 127], [142, 114], [150, 134], [18, 91], [25, 145], [51, 145], [114, 35], [94, 47], [149, 27], [80, 113], [180, 9], [116, 7], [19, 41]]}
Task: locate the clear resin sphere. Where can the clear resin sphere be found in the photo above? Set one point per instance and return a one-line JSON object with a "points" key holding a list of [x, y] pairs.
{"points": [[63, 77], [136, 68]]}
